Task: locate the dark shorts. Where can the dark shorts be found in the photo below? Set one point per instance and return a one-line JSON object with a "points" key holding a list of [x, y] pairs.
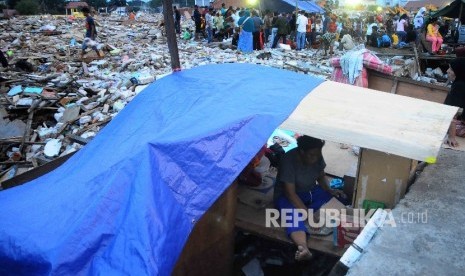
{"points": [[313, 200]]}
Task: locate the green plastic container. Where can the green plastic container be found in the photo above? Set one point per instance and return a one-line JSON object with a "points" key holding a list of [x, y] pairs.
{"points": [[370, 204]]}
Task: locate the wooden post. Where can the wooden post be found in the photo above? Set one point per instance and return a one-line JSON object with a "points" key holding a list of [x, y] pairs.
{"points": [[171, 34]]}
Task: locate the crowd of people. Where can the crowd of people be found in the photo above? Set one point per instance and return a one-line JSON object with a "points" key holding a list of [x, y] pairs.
{"points": [[254, 30]]}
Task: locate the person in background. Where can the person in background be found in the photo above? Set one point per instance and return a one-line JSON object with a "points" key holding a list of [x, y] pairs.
{"points": [[245, 43], [258, 23], [347, 42], [371, 24], [132, 16], [300, 170], [301, 23], [327, 19], [433, 35], [219, 26], [400, 28], [209, 25], [308, 31], [177, 20], [91, 33], [330, 36], [456, 97], [3, 60], [197, 17], [418, 21], [283, 29], [388, 25], [223, 9], [292, 26], [267, 25]]}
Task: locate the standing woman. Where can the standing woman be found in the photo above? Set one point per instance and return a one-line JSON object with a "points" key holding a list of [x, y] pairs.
{"points": [[400, 28], [456, 97], [245, 43], [434, 36]]}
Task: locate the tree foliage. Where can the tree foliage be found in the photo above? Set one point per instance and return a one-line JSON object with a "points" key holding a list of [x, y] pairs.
{"points": [[12, 3], [156, 3], [118, 3], [27, 7], [97, 3], [52, 6]]}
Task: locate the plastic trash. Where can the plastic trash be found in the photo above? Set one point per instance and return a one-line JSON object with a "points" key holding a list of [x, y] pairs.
{"points": [[52, 148], [15, 90], [336, 183], [33, 90], [84, 120]]}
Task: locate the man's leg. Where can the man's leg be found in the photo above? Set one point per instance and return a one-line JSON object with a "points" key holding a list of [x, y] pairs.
{"points": [[297, 232], [83, 48], [300, 239], [275, 41]]}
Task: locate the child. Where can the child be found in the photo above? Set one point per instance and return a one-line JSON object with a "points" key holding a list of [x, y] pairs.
{"points": [[395, 40], [384, 41], [91, 32], [374, 37]]}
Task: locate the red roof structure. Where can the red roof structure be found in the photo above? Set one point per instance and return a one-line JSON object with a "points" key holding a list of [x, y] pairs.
{"points": [[75, 5]]}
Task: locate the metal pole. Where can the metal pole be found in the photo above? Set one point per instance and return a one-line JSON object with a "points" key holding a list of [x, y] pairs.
{"points": [[171, 34]]}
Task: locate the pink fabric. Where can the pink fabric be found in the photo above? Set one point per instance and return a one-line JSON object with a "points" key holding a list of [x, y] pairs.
{"points": [[436, 42], [370, 61], [361, 81]]}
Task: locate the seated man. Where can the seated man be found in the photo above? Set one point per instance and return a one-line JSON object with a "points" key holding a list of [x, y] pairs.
{"points": [[296, 188], [456, 97], [347, 42]]}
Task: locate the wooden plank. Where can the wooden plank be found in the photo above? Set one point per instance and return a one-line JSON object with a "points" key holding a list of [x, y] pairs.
{"points": [[407, 87], [417, 60], [394, 86], [36, 172], [210, 247], [382, 177], [77, 139], [372, 119], [251, 220], [26, 132]]}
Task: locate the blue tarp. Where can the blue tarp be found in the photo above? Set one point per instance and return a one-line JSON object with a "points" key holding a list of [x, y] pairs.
{"points": [[288, 6], [127, 202], [306, 6]]}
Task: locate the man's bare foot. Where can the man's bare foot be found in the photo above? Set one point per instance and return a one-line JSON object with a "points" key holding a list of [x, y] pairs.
{"points": [[451, 142], [303, 254]]}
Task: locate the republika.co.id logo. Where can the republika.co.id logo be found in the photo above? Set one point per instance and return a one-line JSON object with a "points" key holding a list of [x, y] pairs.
{"points": [[335, 217]]}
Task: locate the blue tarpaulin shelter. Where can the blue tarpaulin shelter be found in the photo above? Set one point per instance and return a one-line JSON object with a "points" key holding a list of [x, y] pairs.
{"points": [[126, 202]]}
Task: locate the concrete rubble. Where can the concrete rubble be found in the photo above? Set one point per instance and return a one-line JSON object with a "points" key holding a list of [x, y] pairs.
{"points": [[53, 100]]}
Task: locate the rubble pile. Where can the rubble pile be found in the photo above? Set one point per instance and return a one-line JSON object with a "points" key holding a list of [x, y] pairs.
{"points": [[53, 101], [407, 67]]}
